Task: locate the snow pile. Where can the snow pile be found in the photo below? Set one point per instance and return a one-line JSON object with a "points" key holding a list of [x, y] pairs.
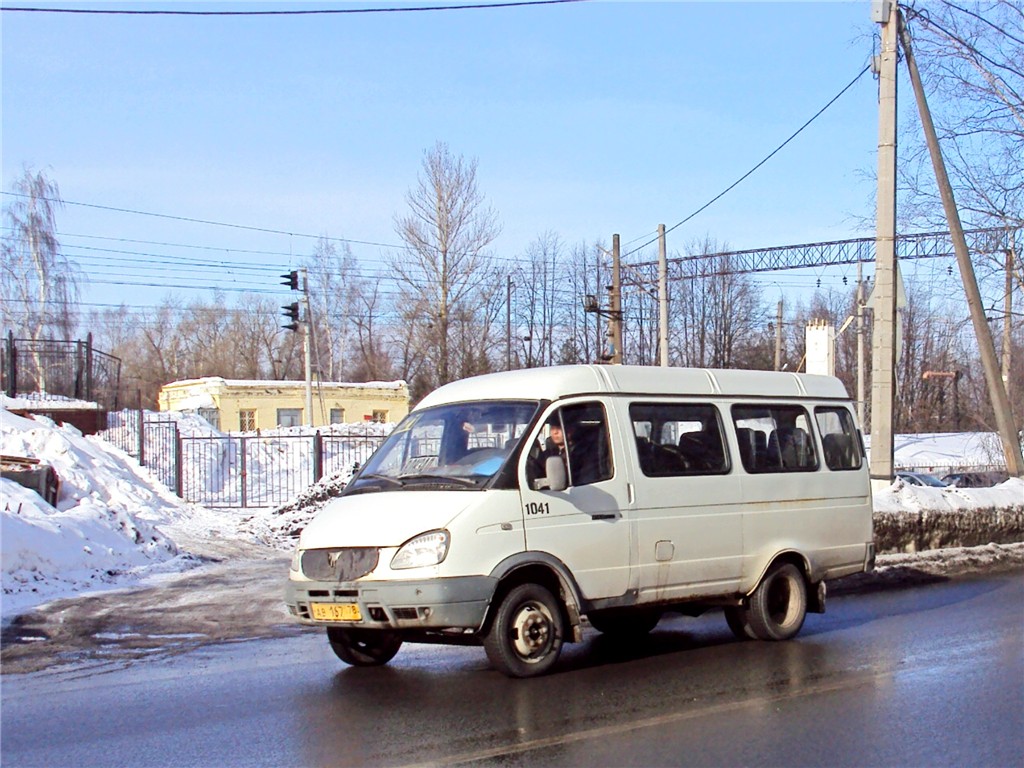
{"points": [[113, 522], [280, 528]]}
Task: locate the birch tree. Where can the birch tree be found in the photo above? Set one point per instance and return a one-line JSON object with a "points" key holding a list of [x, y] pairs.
{"points": [[446, 233]]}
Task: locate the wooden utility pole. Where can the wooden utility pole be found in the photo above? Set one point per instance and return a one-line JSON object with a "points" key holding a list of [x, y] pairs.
{"points": [[662, 298], [989, 361], [883, 367]]}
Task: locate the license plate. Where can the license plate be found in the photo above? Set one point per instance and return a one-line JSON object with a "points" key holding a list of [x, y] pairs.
{"points": [[336, 612]]}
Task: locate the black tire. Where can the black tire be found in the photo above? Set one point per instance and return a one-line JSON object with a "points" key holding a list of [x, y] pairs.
{"points": [[736, 618], [628, 624], [364, 647], [526, 635], [778, 606]]}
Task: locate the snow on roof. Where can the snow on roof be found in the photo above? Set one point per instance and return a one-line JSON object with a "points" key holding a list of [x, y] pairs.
{"points": [[221, 381], [36, 401]]}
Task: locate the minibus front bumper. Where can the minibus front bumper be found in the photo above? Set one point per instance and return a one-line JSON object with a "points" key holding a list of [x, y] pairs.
{"points": [[457, 603]]}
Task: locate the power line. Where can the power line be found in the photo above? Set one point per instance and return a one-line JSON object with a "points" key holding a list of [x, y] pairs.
{"points": [[207, 222], [742, 178], [293, 11]]}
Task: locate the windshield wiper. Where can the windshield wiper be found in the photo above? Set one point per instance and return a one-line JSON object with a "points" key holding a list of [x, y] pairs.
{"points": [[387, 478], [463, 481]]}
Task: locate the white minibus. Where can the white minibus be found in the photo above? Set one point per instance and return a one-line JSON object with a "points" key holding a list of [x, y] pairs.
{"points": [[510, 509]]}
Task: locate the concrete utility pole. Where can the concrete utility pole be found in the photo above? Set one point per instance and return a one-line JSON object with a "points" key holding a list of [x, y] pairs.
{"points": [[615, 316], [883, 368], [778, 337], [508, 323], [860, 345], [663, 297], [989, 361]]}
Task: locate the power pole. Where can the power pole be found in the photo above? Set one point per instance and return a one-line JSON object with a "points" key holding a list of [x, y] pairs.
{"points": [[883, 368], [989, 361], [778, 337], [662, 297], [615, 316], [860, 345], [508, 323]]}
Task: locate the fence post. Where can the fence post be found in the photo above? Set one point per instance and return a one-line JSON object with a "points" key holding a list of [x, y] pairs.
{"points": [[318, 456], [142, 433], [242, 465], [178, 489], [12, 366], [88, 367]]}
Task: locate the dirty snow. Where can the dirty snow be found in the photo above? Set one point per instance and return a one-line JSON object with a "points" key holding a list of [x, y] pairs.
{"points": [[116, 525]]}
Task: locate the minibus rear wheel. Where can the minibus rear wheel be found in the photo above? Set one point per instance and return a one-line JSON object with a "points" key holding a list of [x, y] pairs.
{"points": [[779, 604], [526, 635], [364, 647]]}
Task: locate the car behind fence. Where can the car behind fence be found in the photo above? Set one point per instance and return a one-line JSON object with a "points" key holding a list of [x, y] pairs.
{"points": [[238, 470]]}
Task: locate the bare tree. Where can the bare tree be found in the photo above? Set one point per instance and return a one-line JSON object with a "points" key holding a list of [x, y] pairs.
{"points": [[446, 233], [330, 273], [972, 59], [719, 307], [39, 284]]}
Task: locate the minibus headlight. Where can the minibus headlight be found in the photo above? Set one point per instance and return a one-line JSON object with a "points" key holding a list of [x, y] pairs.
{"points": [[297, 560], [426, 549]]}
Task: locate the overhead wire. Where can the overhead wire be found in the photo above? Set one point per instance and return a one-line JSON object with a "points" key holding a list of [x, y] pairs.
{"points": [[291, 11], [768, 157]]}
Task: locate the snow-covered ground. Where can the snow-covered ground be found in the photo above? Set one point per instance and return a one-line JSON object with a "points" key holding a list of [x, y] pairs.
{"points": [[116, 525]]}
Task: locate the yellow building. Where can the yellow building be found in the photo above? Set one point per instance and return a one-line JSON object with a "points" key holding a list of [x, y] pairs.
{"points": [[233, 405]]}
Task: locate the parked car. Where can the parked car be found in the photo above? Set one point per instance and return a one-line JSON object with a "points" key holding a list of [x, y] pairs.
{"points": [[920, 478], [975, 479]]}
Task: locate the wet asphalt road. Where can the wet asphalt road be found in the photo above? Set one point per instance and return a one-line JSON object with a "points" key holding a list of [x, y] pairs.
{"points": [[925, 676]]}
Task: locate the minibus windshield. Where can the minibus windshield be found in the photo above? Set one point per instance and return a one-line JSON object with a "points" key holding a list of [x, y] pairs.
{"points": [[458, 446]]}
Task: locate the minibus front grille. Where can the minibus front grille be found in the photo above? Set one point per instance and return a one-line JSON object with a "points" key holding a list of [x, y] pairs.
{"points": [[346, 564]]}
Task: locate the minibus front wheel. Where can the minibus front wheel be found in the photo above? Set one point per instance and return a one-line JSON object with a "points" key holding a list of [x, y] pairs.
{"points": [[526, 635], [364, 647]]}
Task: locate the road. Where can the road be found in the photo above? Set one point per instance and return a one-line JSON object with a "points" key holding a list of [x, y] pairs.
{"points": [[926, 675]]}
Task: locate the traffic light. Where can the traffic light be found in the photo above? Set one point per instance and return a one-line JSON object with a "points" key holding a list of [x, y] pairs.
{"points": [[291, 279], [291, 311]]}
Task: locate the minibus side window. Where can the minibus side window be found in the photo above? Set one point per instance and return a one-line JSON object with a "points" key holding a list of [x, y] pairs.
{"points": [[774, 438], [587, 445], [840, 445], [675, 439]]}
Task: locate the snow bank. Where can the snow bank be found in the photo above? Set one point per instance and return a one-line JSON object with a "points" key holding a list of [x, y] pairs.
{"points": [[912, 518], [106, 529]]}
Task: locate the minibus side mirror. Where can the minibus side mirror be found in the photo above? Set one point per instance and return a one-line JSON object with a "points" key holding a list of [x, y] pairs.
{"points": [[554, 469]]}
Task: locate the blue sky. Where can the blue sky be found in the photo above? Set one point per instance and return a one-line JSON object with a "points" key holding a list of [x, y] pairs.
{"points": [[586, 119]]}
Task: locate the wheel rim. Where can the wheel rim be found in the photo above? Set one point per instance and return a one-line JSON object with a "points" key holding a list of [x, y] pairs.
{"points": [[531, 632], [780, 601]]}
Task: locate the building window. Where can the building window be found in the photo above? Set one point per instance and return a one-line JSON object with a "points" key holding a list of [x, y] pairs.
{"points": [[247, 420], [337, 415], [289, 417], [379, 417], [212, 416]]}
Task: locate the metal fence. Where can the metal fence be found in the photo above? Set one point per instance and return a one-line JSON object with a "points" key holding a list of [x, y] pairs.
{"points": [[72, 369], [240, 470]]}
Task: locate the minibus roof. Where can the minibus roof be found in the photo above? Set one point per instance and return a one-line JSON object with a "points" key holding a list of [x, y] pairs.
{"points": [[556, 382]]}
